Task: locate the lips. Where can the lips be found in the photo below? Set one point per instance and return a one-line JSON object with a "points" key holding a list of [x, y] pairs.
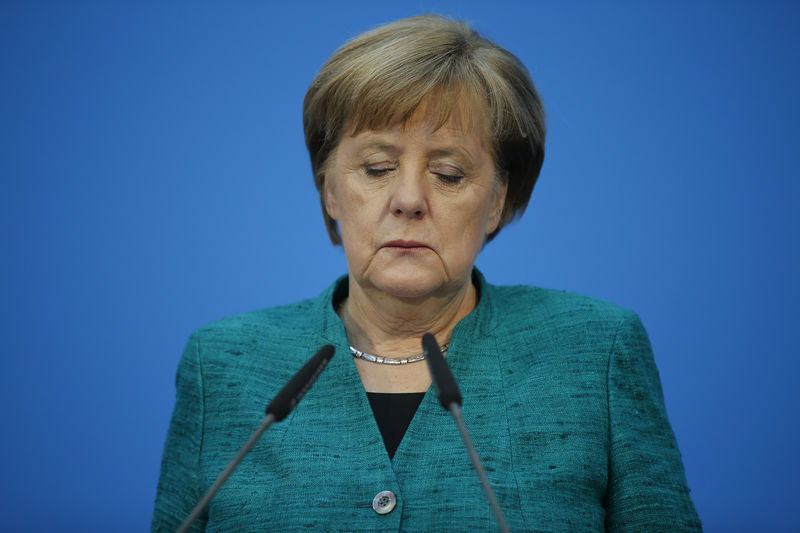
{"points": [[399, 243]]}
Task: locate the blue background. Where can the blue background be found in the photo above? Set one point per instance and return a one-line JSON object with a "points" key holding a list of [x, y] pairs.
{"points": [[154, 178]]}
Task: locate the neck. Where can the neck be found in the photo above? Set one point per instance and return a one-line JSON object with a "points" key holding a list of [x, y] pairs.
{"points": [[380, 324]]}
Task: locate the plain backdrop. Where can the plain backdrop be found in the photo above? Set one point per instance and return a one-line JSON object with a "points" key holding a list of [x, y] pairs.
{"points": [[154, 178]]}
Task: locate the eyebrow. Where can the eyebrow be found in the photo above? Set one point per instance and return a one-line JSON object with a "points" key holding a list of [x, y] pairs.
{"points": [[394, 150], [452, 151], [379, 146]]}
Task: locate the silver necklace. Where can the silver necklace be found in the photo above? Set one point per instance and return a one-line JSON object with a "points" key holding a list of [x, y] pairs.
{"points": [[388, 360]]}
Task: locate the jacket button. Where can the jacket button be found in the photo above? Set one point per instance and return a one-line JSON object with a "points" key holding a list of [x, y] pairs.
{"points": [[384, 502]]}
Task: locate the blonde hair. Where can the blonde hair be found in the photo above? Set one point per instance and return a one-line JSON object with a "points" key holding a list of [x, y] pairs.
{"points": [[381, 77]]}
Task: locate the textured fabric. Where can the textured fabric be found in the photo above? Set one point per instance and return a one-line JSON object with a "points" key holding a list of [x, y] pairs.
{"points": [[561, 397]]}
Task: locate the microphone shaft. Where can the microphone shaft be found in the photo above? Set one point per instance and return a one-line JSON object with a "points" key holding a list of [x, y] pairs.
{"points": [[455, 410], [223, 477], [279, 407]]}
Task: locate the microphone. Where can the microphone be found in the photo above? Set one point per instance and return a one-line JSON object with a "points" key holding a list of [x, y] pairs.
{"points": [[283, 403], [290, 395], [443, 380], [450, 399]]}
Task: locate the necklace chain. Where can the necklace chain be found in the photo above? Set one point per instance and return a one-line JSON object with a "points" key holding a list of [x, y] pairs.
{"points": [[390, 361]]}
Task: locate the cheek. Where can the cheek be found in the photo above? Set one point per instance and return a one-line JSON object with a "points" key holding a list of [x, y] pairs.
{"points": [[482, 213], [472, 232], [357, 217], [467, 235]]}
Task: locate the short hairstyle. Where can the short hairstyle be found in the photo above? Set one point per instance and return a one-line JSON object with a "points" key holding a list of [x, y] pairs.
{"points": [[383, 75]]}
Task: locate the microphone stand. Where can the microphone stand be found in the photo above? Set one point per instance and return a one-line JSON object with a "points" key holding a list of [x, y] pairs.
{"points": [[280, 406], [450, 399], [455, 410], [223, 477]]}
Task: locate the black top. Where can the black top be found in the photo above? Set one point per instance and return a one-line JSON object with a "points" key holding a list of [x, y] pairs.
{"points": [[393, 412]]}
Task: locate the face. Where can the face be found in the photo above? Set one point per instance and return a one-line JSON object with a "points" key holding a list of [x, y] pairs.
{"points": [[414, 206]]}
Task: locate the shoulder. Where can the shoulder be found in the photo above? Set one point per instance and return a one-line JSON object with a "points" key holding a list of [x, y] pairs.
{"points": [[253, 339], [288, 320], [557, 308], [296, 316], [569, 331]]}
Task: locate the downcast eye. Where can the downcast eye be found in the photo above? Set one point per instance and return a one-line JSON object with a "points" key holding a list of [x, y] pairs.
{"points": [[449, 178], [378, 171]]}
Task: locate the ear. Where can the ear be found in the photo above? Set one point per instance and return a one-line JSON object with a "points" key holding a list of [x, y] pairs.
{"points": [[496, 214], [331, 205]]}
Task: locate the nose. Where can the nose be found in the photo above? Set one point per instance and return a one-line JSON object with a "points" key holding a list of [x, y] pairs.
{"points": [[409, 195]]}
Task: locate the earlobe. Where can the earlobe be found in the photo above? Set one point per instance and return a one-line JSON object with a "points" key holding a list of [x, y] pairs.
{"points": [[494, 221], [330, 198], [497, 209]]}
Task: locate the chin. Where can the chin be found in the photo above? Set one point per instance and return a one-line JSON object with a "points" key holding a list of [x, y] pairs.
{"points": [[408, 283]]}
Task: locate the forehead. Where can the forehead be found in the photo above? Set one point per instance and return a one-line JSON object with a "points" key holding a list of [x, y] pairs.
{"points": [[442, 113], [416, 135]]}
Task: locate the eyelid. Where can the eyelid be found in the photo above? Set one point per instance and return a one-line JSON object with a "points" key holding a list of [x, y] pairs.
{"points": [[448, 174], [448, 169], [378, 158], [450, 179], [378, 170]]}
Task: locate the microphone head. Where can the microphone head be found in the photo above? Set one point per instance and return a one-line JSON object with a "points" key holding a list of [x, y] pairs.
{"points": [[443, 380], [291, 394]]}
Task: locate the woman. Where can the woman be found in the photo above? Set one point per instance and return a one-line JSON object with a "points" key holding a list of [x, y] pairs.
{"points": [[425, 140]]}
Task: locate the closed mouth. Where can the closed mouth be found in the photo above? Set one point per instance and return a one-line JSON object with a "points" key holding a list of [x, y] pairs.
{"points": [[399, 243]]}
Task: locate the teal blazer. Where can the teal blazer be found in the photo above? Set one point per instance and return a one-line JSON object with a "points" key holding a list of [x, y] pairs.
{"points": [[561, 397]]}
